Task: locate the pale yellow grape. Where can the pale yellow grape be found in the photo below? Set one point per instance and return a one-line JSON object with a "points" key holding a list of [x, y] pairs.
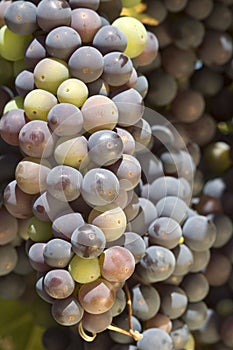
{"points": [[49, 73], [12, 46], [72, 91], [135, 33], [31, 175], [110, 219], [190, 345], [14, 103], [71, 151], [84, 270], [38, 103]]}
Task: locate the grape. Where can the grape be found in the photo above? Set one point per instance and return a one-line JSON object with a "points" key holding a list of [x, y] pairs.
{"points": [[35, 139], [86, 64], [122, 321], [55, 337], [218, 269], [86, 22], [173, 207], [179, 334], [207, 81], [154, 336], [199, 233], [127, 139], [31, 174], [220, 18], [203, 130], [195, 286], [92, 4], [208, 333], [10, 125], [98, 87], [163, 88], [47, 208], [200, 260], [49, 73], [156, 265], [195, 315], [35, 51], [99, 187], [8, 227], [128, 171], [71, 151], [165, 231], [20, 17], [145, 302], [108, 39], [226, 331], [37, 104], [135, 33], [216, 48], [159, 321], [72, 91], [173, 301], [184, 260], [149, 52], [107, 143], [24, 82], [135, 244], [8, 259], [96, 323], [65, 119], [3, 7], [84, 270], [64, 225], [58, 283], [117, 69], [99, 112], [88, 241], [52, 14], [12, 286], [39, 230], [141, 85], [96, 297], [178, 62], [17, 202], [62, 41], [130, 107], [64, 183], [165, 186], [107, 6], [199, 9], [175, 5], [132, 209], [57, 253], [36, 257], [147, 213], [12, 45], [119, 303], [224, 229], [67, 312], [141, 132], [188, 32], [117, 264], [188, 106]]}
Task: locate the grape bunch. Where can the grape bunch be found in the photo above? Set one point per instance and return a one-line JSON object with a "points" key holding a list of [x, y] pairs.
{"points": [[117, 216]]}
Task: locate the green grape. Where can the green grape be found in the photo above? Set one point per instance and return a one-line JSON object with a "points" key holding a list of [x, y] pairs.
{"points": [[71, 151], [49, 73], [38, 230], [110, 219], [217, 157], [12, 46], [72, 91], [19, 66], [14, 103], [6, 71], [38, 103], [84, 270], [130, 3], [135, 33]]}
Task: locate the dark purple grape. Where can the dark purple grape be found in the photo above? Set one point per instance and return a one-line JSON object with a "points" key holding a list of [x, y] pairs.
{"points": [[108, 39], [86, 22], [52, 14]]}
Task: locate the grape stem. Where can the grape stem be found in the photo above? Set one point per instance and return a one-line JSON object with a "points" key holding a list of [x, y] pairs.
{"points": [[134, 334]]}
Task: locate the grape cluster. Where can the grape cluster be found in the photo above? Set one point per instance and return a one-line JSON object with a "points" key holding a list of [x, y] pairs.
{"points": [[121, 216]]}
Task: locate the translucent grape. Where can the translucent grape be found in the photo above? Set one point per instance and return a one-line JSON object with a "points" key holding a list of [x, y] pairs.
{"points": [[39, 230], [84, 270], [135, 33], [72, 91], [37, 104]]}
